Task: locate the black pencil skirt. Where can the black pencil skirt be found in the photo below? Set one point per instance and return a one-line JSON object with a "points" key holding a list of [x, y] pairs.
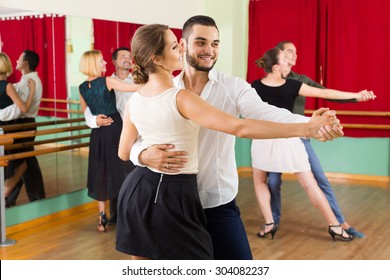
{"points": [[160, 217]]}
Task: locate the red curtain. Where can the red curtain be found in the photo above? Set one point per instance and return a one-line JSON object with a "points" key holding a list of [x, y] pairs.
{"points": [[340, 43], [355, 44], [273, 21], [110, 35], [44, 34]]}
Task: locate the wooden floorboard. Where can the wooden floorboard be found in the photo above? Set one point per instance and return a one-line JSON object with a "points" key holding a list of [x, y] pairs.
{"points": [[302, 234]]}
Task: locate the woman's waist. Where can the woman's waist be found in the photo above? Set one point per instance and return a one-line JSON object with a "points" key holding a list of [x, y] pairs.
{"points": [[156, 175]]}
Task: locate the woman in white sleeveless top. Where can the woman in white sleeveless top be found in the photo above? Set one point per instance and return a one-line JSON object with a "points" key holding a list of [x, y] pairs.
{"points": [[159, 214]]}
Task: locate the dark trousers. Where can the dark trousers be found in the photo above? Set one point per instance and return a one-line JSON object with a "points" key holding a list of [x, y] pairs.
{"points": [[32, 178], [227, 232], [33, 181]]}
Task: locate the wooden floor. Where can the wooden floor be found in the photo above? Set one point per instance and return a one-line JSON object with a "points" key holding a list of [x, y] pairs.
{"points": [[71, 235]]}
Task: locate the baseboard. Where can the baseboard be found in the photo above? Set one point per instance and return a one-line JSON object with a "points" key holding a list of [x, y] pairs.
{"points": [[381, 181]]}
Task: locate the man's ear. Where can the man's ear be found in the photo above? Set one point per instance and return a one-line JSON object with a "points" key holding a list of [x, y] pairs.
{"points": [[183, 43], [25, 64]]}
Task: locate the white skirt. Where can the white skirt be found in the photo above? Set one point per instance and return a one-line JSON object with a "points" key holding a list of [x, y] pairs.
{"points": [[279, 155]]}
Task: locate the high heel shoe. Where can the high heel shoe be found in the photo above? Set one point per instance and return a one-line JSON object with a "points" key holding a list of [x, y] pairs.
{"points": [[102, 222], [339, 236], [273, 230]]}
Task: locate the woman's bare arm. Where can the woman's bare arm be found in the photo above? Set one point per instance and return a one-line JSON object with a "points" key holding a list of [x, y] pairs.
{"points": [[128, 136], [191, 106]]}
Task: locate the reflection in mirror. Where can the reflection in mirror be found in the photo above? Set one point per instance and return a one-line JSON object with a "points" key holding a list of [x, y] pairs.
{"points": [[61, 142], [58, 154]]}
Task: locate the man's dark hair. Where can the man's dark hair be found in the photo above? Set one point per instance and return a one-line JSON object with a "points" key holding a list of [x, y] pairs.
{"points": [[281, 44], [32, 58], [115, 53], [199, 19]]}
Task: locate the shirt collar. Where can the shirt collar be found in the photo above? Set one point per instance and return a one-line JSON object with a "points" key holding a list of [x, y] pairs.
{"points": [[291, 74], [30, 75], [127, 78], [213, 76]]}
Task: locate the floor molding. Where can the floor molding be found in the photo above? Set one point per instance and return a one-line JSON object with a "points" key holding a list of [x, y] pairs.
{"points": [[381, 181]]}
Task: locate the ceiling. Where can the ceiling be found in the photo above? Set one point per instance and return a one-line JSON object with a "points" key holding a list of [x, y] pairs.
{"points": [[13, 12]]}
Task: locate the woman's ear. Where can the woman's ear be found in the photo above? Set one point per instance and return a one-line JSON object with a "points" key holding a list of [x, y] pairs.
{"points": [[157, 60]]}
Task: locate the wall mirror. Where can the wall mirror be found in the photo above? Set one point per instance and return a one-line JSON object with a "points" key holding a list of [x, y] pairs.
{"points": [[61, 144], [66, 171], [63, 40]]}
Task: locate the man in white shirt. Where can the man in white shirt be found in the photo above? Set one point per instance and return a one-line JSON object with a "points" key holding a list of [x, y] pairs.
{"points": [[28, 72], [27, 63], [121, 58], [217, 177]]}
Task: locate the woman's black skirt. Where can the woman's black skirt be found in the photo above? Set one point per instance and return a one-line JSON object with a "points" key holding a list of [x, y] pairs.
{"points": [[160, 217], [106, 171]]}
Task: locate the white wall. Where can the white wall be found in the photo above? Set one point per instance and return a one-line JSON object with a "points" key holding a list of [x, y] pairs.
{"points": [[171, 12], [231, 17]]}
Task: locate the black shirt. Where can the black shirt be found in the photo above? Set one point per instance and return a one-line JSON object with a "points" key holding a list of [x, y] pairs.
{"points": [[280, 96]]}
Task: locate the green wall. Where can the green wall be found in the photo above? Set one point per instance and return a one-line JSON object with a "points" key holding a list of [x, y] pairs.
{"points": [[368, 156]]}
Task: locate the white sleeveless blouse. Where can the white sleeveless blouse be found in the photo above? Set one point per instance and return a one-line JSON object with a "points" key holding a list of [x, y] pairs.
{"points": [[159, 121]]}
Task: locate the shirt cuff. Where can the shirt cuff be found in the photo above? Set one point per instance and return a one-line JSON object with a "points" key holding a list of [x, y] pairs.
{"points": [[90, 119], [135, 151]]}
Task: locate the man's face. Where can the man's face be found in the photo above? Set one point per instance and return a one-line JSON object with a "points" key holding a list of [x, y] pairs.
{"points": [[20, 63], [102, 65], [202, 47], [123, 60], [291, 54], [283, 63]]}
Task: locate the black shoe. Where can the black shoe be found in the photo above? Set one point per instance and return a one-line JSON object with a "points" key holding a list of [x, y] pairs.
{"points": [[9, 204], [102, 222], [341, 236], [273, 230]]}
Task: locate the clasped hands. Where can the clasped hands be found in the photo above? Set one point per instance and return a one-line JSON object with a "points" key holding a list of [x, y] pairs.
{"points": [[328, 123]]}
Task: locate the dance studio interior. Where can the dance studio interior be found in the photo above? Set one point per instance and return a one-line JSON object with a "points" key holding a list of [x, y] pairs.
{"points": [[340, 45]]}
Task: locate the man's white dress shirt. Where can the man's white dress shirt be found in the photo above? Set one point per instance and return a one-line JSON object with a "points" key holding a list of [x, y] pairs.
{"points": [[218, 177], [13, 112]]}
